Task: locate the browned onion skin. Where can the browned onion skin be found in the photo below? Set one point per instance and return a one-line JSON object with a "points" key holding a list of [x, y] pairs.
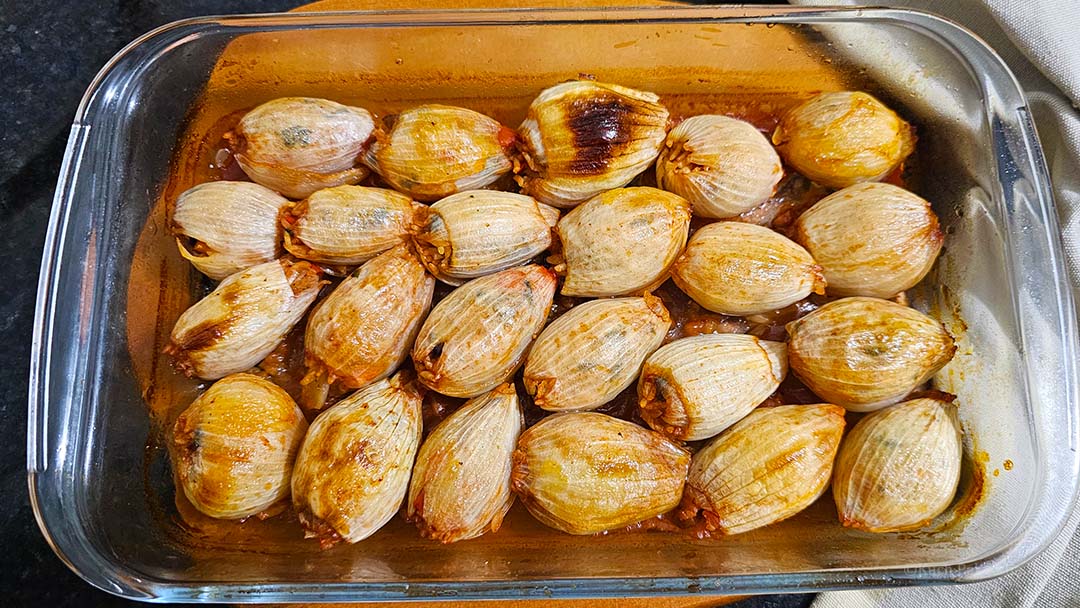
{"points": [[297, 145], [347, 225], [432, 151], [871, 239], [866, 353], [233, 447], [589, 355], [460, 485], [581, 138], [769, 466], [224, 227], [477, 337], [475, 233], [587, 472], [244, 319], [352, 471], [899, 467], [722, 165], [622, 242], [694, 388], [362, 331], [842, 138], [742, 269]]}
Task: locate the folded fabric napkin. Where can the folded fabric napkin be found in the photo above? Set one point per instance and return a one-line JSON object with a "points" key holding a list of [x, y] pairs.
{"points": [[1038, 40]]}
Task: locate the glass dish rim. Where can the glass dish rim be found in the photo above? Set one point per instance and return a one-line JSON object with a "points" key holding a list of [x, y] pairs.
{"points": [[1002, 87]]}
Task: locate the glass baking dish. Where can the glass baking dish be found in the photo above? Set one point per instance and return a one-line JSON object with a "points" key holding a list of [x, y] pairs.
{"points": [[112, 284]]}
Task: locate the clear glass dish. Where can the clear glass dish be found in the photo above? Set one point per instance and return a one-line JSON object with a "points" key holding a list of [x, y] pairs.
{"points": [[111, 285]]}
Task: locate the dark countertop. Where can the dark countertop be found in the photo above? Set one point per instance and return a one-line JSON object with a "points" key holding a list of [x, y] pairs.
{"points": [[51, 52]]}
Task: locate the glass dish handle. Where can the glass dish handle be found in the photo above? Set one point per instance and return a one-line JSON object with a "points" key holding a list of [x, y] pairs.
{"points": [[1047, 334], [51, 395]]}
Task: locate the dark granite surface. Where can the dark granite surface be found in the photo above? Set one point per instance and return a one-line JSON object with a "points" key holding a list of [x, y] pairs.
{"points": [[49, 52]]}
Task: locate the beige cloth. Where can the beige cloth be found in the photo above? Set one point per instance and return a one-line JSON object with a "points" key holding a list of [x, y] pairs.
{"points": [[1040, 40]]}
